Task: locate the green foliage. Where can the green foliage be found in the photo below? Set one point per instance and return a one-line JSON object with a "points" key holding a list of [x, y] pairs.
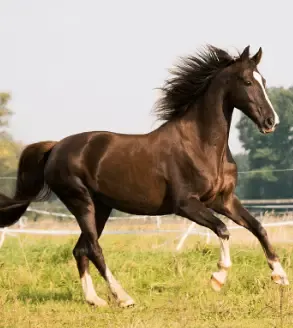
{"points": [[9, 149], [269, 152], [9, 154], [243, 166], [5, 112]]}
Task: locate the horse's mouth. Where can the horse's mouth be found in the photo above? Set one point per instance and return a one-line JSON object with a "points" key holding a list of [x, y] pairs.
{"points": [[266, 131]]}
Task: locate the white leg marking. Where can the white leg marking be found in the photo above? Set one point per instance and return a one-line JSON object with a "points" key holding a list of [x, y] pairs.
{"points": [[89, 291], [225, 253], [279, 276], [258, 78], [219, 278], [123, 298]]}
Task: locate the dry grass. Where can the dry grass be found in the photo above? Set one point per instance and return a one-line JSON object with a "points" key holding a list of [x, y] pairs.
{"points": [[39, 285]]}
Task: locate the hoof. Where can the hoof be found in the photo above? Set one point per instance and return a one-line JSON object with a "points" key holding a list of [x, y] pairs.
{"points": [[98, 302], [216, 282], [127, 304], [280, 279]]}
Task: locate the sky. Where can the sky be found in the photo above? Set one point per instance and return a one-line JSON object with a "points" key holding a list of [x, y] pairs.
{"points": [[74, 66]]}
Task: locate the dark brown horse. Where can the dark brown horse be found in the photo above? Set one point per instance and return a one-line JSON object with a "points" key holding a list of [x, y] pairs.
{"points": [[183, 167]]}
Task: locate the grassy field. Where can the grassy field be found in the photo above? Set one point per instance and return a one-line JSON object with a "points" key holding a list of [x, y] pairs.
{"points": [[39, 285]]}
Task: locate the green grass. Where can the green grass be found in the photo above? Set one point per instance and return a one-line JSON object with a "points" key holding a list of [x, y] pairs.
{"points": [[40, 287]]}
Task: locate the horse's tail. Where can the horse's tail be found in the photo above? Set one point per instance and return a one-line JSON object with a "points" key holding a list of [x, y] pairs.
{"points": [[30, 185]]}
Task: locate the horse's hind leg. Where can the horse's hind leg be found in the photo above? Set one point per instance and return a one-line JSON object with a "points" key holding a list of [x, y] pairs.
{"points": [[123, 299], [78, 200], [82, 262], [101, 215], [75, 196]]}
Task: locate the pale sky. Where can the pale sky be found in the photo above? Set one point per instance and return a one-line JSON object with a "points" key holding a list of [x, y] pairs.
{"points": [[74, 66]]}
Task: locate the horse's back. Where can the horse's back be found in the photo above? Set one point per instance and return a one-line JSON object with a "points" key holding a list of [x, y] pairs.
{"points": [[124, 169]]}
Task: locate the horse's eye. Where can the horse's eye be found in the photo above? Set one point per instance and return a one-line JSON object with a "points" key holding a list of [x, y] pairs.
{"points": [[247, 83]]}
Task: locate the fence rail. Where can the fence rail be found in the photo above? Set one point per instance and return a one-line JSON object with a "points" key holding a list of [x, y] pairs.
{"points": [[267, 201], [183, 233]]}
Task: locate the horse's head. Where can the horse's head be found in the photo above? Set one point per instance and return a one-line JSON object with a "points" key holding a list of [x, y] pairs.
{"points": [[248, 93]]}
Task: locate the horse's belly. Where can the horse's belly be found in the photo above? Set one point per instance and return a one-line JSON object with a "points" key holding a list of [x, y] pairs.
{"points": [[138, 196]]}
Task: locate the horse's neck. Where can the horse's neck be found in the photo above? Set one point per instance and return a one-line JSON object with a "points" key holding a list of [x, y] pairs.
{"points": [[209, 120]]}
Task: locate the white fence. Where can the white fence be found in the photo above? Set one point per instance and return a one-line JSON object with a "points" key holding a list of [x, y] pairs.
{"points": [[188, 228], [182, 233]]}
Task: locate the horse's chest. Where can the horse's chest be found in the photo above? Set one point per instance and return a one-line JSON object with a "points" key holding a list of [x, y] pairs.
{"points": [[217, 186]]}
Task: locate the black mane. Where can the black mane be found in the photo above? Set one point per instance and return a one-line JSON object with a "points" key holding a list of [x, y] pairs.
{"points": [[190, 80]]}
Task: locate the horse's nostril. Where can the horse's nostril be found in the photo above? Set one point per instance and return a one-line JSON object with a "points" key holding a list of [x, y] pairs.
{"points": [[269, 122]]}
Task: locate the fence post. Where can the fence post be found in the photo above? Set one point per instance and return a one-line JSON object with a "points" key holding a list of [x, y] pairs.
{"points": [[181, 242], [208, 236], [158, 219], [2, 238]]}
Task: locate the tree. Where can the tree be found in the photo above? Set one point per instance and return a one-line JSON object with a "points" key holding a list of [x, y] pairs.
{"points": [[9, 149], [270, 152], [9, 154], [5, 112], [242, 166]]}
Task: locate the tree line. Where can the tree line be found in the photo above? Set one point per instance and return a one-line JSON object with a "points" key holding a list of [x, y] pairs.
{"points": [[265, 166], [269, 158]]}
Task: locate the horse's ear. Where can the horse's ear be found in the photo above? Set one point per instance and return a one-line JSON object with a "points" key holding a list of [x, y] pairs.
{"points": [[257, 57], [245, 54]]}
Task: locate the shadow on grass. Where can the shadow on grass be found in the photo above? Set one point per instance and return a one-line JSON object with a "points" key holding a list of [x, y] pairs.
{"points": [[39, 296]]}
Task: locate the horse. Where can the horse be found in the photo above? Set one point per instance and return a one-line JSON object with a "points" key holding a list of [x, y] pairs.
{"points": [[183, 167]]}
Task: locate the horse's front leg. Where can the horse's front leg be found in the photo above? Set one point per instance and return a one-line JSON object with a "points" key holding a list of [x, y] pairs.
{"points": [[234, 210], [192, 209]]}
